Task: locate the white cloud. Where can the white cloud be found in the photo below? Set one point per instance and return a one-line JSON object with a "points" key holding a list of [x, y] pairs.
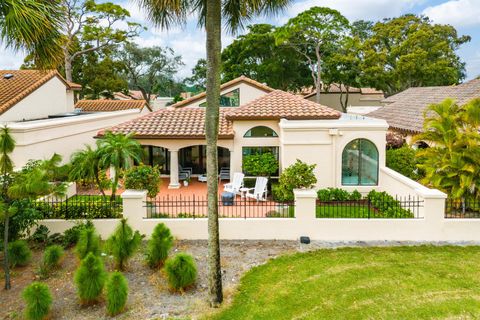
{"points": [[355, 9], [458, 13], [9, 59]]}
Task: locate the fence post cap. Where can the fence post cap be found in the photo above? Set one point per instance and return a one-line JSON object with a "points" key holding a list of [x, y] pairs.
{"points": [[431, 193], [134, 194], [304, 193]]}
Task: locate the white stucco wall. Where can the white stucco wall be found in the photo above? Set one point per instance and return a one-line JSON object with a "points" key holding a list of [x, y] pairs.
{"points": [[321, 142], [51, 98], [247, 94], [41, 139]]}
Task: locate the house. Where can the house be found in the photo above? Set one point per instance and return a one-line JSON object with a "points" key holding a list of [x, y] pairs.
{"points": [[348, 150], [38, 107], [404, 111], [156, 102], [104, 105], [360, 100]]}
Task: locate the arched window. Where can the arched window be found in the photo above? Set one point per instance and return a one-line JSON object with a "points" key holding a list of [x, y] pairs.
{"points": [[360, 163], [260, 132]]}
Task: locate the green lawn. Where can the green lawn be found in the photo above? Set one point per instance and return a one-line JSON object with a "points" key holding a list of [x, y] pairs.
{"points": [[363, 283]]}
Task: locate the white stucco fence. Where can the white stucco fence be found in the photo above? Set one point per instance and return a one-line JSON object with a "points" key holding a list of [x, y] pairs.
{"points": [[432, 227]]}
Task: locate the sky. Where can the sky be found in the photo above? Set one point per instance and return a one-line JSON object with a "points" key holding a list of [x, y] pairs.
{"points": [[189, 41]]}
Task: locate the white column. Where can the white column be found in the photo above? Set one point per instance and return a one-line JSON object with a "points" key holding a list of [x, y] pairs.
{"points": [[134, 208], [174, 183]]}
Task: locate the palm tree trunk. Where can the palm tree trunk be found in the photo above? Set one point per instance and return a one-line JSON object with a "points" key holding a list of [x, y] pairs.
{"points": [[213, 29], [6, 266], [114, 185]]}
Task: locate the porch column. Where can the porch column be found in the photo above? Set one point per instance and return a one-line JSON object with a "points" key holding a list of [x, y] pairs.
{"points": [[232, 165], [174, 183]]}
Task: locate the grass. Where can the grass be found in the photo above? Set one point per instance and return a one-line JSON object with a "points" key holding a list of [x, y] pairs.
{"points": [[423, 282]]}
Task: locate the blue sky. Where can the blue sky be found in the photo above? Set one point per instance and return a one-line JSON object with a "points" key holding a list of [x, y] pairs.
{"points": [[189, 41]]}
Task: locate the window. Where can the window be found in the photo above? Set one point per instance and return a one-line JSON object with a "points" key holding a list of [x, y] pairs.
{"points": [[260, 132], [246, 151], [360, 163], [229, 99]]}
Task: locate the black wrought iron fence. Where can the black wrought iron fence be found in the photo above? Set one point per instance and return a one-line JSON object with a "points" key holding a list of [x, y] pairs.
{"points": [[197, 207], [79, 207], [462, 209], [405, 207]]}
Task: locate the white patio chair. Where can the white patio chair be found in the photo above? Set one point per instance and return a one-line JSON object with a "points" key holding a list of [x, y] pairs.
{"points": [[236, 184], [259, 191], [224, 174]]}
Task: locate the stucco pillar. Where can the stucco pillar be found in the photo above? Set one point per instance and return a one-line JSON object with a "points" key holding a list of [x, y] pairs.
{"points": [[174, 183], [305, 203], [134, 208]]}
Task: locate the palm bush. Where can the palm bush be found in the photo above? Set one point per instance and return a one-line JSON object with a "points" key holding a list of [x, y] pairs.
{"points": [[181, 271], [159, 246], [88, 241], [117, 293], [123, 243], [19, 253], [90, 278], [38, 301]]}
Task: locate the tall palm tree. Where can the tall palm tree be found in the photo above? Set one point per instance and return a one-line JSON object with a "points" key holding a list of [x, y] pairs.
{"points": [[86, 166], [164, 13], [118, 151], [33, 26]]}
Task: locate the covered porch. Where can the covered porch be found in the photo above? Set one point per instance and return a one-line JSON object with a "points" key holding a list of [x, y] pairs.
{"points": [[189, 162]]}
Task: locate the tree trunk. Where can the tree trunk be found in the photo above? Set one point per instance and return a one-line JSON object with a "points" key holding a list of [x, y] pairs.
{"points": [[68, 66], [318, 83], [213, 29], [6, 266], [114, 185]]}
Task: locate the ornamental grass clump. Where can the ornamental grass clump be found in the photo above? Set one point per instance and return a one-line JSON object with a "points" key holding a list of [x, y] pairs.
{"points": [[90, 278], [181, 271], [51, 259], [117, 293], [19, 253], [38, 301], [159, 246], [88, 241], [123, 243]]}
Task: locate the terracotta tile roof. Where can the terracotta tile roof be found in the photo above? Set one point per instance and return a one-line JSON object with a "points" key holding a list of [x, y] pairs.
{"points": [[104, 105], [404, 111], [74, 86], [22, 83], [226, 85], [183, 123], [280, 104]]}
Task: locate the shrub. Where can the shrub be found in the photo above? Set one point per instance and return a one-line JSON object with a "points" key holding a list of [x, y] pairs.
{"points": [[88, 241], [90, 278], [297, 176], [181, 271], [79, 209], [38, 300], [143, 177], [404, 161], [52, 256], [394, 140], [123, 243], [337, 194], [40, 235], [18, 253], [264, 164], [355, 195], [21, 223], [117, 293], [70, 236], [159, 246], [388, 207]]}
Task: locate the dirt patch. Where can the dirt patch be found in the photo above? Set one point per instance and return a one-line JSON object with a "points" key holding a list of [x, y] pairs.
{"points": [[149, 296]]}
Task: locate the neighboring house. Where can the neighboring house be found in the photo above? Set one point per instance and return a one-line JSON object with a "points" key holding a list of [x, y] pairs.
{"points": [[104, 105], [360, 100], [156, 102], [38, 107], [348, 150], [404, 111]]}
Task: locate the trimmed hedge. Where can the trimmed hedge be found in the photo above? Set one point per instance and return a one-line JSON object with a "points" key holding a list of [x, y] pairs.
{"points": [[80, 208], [337, 194]]}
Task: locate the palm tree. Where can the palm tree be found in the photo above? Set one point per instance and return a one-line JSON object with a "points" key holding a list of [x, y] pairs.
{"points": [[164, 13], [86, 166], [33, 25], [451, 163], [118, 151]]}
